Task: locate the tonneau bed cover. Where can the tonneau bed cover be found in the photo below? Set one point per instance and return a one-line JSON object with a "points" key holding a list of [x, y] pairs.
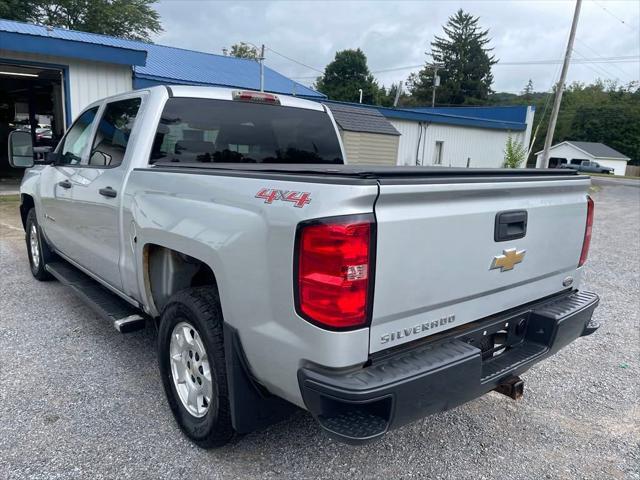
{"points": [[382, 174]]}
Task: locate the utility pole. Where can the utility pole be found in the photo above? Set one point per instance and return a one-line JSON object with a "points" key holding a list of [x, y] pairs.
{"points": [[398, 93], [436, 84], [262, 68], [560, 87]]}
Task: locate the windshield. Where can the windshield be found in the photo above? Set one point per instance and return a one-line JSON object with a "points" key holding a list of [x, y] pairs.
{"points": [[204, 130]]}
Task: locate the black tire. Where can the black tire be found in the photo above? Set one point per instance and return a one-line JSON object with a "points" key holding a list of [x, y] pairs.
{"points": [[201, 308], [46, 255]]}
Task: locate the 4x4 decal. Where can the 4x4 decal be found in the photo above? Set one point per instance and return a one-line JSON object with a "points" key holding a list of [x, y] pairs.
{"points": [[299, 199]]}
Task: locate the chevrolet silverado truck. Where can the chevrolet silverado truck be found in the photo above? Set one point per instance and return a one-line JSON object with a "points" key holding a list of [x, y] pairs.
{"points": [[280, 277]]}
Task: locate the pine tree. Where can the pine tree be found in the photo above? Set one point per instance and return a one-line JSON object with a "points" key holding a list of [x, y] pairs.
{"points": [[527, 93], [464, 61]]}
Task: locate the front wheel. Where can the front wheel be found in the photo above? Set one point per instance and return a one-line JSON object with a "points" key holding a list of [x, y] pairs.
{"points": [[192, 366], [37, 249]]}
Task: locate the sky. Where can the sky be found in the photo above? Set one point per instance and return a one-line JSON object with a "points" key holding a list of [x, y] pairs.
{"points": [[394, 35]]}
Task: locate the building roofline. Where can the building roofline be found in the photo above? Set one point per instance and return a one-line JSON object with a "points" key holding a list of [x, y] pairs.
{"points": [[143, 56], [442, 118], [60, 47], [176, 81], [569, 142]]}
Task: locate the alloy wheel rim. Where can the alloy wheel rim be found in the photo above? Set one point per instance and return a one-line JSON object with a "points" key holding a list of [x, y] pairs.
{"points": [[34, 246], [190, 369]]}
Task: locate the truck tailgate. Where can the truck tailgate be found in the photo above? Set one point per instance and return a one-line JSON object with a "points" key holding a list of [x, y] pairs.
{"points": [[436, 245]]}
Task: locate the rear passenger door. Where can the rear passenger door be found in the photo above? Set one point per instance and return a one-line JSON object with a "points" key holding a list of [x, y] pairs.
{"points": [[97, 191]]}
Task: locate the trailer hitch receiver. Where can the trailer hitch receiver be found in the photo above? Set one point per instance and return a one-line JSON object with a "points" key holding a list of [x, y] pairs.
{"points": [[512, 387]]}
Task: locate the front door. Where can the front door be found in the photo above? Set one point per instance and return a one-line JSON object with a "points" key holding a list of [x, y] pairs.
{"points": [[97, 192], [56, 190]]}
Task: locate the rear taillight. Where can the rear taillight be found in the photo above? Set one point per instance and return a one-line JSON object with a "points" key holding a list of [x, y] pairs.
{"points": [[587, 232], [334, 271]]}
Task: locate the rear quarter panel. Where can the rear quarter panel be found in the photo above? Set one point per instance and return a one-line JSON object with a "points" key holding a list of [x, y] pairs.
{"points": [[249, 245]]}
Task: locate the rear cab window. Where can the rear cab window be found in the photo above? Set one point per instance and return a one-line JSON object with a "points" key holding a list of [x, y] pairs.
{"points": [[226, 131]]}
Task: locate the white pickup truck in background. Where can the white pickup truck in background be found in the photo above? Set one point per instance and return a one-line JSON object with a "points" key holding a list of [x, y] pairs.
{"points": [[280, 277]]}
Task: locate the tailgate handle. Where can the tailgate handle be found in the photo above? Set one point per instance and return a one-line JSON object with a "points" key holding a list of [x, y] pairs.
{"points": [[510, 224]]}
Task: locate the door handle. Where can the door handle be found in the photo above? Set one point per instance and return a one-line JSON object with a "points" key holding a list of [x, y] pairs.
{"points": [[510, 225], [65, 184], [108, 192]]}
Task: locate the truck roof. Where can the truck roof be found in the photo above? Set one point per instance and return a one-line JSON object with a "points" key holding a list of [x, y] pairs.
{"points": [[223, 93]]}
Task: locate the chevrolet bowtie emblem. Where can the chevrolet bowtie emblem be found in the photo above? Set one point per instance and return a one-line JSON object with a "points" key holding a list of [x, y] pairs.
{"points": [[508, 259]]}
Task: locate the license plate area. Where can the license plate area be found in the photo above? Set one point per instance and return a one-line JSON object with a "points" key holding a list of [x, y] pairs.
{"points": [[497, 338]]}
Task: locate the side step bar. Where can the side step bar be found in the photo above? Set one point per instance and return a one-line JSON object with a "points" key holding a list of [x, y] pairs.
{"points": [[124, 317]]}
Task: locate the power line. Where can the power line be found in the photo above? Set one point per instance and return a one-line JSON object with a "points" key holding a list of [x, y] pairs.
{"points": [[600, 71], [614, 15], [295, 61], [626, 74], [605, 60]]}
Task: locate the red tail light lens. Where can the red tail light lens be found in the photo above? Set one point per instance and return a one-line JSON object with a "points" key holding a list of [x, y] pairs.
{"points": [[335, 271], [259, 97], [587, 232]]}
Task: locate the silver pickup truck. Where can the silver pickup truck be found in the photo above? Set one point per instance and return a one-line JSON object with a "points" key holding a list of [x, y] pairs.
{"points": [[279, 277]]}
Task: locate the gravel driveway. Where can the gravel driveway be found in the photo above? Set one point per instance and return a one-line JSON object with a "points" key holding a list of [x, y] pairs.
{"points": [[79, 400]]}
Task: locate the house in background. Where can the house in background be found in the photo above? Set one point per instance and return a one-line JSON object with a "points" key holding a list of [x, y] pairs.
{"points": [[459, 136], [448, 137], [570, 151]]}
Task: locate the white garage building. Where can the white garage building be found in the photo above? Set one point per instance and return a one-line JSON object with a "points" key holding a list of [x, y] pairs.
{"points": [[448, 137], [459, 136], [572, 152]]}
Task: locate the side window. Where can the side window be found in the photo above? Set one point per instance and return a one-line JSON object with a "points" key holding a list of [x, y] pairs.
{"points": [[112, 135], [77, 138]]}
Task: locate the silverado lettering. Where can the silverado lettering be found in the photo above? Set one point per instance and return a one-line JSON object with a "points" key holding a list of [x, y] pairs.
{"points": [[423, 327]]}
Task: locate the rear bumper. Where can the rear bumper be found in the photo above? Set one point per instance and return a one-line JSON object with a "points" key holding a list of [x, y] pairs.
{"points": [[363, 404]]}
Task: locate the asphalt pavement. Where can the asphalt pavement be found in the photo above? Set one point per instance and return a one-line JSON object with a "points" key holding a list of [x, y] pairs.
{"points": [[79, 400]]}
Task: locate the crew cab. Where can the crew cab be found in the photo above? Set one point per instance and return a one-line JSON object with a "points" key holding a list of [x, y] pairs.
{"points": [[280, 277]]}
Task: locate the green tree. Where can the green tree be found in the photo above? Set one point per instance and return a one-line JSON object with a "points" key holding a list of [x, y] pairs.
{"points": [[527, 93], [244, 50], [514, 153], [464, 61], [133, 19], [599, 112], [345, 75]]}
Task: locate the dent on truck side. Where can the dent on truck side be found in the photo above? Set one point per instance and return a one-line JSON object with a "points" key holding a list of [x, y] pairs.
{"points": [[248, 245]]}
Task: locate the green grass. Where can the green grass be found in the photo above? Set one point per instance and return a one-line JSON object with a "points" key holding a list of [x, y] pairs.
{"points": [[9, 198]]}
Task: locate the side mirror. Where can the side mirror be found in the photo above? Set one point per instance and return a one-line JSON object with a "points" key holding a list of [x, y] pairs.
{"points": [[20, 149]]}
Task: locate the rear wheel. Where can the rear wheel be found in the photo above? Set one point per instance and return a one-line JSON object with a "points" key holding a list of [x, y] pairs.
{"points": [[192, 365], [38, 251]]}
